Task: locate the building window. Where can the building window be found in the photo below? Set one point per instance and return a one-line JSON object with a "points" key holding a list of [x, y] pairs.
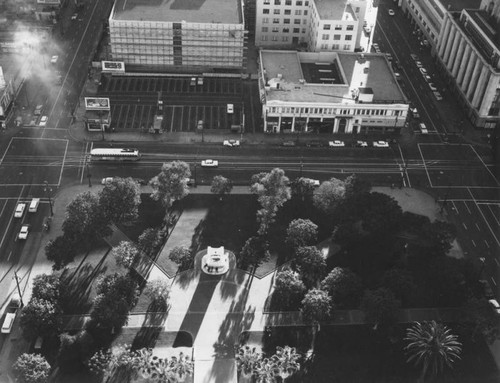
{"points": [[265, 11], [296, 30], [265, 20], [277, 2], [286, 21], [288, 12], [276, 11], [296, 21], [306, 3], [265, 29], [267, 2], [298, 12], [286, 30], [288, 2], [275, 38], [336, 37], [324, 46], [264, 38], [299, 3], [350, 27], [327, 27], [335, 47], [284, 38], [276, 29], [303, 30], [276, 21], [305, 13], [348, 37], [338, 27], [325, 37], [304, 21], [347, 47]]}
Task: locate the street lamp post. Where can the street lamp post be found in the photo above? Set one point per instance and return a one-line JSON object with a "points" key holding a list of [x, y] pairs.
{"points": [[47, 190], [19, 290], [194, 183], [483, 264], [89, 175]]}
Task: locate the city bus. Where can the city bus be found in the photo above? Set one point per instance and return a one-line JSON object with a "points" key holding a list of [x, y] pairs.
{"points": [[111, 154]]}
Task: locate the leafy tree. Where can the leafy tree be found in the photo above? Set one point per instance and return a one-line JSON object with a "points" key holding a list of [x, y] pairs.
{"points": [[47, 287], [379, 306], [39, 318], [289, 290], [379, 213], [348, 233], [400, 283], [171, 184], [154, 369], [119, 286], [431, 347], [328, 195], [125, 254], [158, 290], [85, 220], [440, 236], [311, 264], [447, 281], [182, 256], [272, 192], [286, 359], [480, 320], [344, 287], [247, 359], [254, 252], [221, 186], [31, 368], [355, 186], [302, 188], [120, 199], [150, 241], [316, 306], [61, 251], [74, 350], [301, 232]]}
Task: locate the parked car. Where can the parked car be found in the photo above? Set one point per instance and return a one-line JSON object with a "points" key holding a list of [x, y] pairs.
{"points": [[423, 128], [313, 182], [200, 80], [230, 108], [487, 290], [74, 16], [419, 64], [438, 96], [433, 87], [367, 29], [427, 78], [106, 180], [397, 75], [414, 112], [288, 143], [232, 143], [361, 144], [54, 59], [336, 143], [13, 307], [495, 306], [391, 12], [19, 210], [376, 48], [414, 57], [423, 71], [389, 56], [316, 144], [209, 163], [193, 81], [380, 144], [23, 233], [43, 121], [38, 110]]}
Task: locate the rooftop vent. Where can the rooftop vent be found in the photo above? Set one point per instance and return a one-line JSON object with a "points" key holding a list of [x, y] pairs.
{"points": [[280, 76], [302, 81]]}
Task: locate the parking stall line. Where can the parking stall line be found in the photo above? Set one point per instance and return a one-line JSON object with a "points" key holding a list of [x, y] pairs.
{"points": [[183, 109], [145, 85], [172, 120], [467, 206], [495, 217], [487, 244], [477, 226], [474, 243], [464, 225], [133, 116], [124, 86], [484, 219]]}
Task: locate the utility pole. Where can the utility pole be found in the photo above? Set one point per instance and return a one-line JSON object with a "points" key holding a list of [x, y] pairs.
{"points": [[19, 289], [89, 175]]}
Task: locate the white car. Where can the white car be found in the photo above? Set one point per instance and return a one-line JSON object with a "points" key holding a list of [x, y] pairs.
{"points": [[419, 64], [53, 59], [23, 234], [361, 144], [428, 78], [423, 71], [231, 143], [414, 112], [376, 48], [495, 306], [380, 144], [391, 12], [74, 16], [19, 210], [209, 163], [433, 87], [414, 57], [43, 121], [106, 180], [336, 143], [367, 29], [313, 182], [230, 108], [438, 96]]}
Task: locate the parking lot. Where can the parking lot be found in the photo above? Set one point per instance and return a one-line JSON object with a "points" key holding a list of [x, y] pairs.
{"points": [[134, 102]]}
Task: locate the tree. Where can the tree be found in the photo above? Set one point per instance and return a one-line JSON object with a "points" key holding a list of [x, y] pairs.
{"points": [[47, 287], [440, 236], [150, 241], [355, 186], [272, 192], [182, 256], [31, 368], [316, 306], [379, 306], [400, 283], [171, 184], [254, 252], [328, 195], [301, 232], [247, 359], [158, 290], [480, 320], [61, 251], [39, 318], [125, 254], [311, 264], [286, 360], [221, 186], [289, 290], [120, 199], [431, 347], [344, 287], [302, 188], [447, 281], [85, 220]]}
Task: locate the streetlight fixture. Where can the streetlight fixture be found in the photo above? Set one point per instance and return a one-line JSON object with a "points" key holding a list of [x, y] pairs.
{"points": [[47, 190], [19, 290]]}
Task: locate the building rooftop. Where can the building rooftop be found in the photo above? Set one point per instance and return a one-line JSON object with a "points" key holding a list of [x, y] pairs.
{"points": [[331, 9], [328, 77], [191, 11], [458, 5]]}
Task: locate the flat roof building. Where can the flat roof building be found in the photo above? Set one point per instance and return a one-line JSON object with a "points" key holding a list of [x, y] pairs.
{"points": [[329, 92], [163, 35]]}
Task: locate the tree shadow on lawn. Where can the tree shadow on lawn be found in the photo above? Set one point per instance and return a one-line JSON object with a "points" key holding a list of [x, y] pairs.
{"points": [[152, 326]]}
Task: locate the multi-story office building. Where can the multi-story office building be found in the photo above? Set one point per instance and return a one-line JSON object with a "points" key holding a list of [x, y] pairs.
{"points": [[492, 8], [468, 51], [329, 92], [315, 25], [178, 35]]}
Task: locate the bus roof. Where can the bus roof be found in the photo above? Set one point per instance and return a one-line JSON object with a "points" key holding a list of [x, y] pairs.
{"points": [[111, 151]]}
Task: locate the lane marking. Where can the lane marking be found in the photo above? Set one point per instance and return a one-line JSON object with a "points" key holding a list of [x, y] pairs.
{"points": [[496, 261], [487, 244], [493, 281], [464, 225], [11, 218], [467, 206], [484, 218], [8, 258], [474, 243]]}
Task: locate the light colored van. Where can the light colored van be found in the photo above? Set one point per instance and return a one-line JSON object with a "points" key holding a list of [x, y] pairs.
{"points": [[38, 344], [34, 205], [8, 322], [423, 128]]}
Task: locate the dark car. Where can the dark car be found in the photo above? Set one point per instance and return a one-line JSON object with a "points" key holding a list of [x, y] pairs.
{"points": [[487, 290], [316, 144], [288, 143]]}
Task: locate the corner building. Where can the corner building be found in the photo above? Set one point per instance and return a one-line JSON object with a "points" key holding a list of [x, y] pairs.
{"points": [[178, 35]]}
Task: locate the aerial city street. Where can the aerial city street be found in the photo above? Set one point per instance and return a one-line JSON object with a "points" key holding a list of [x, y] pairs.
{"points": [[256, 191]]}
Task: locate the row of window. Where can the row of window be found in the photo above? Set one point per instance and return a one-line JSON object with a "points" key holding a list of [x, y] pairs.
{"points": [[148, 44], [336, 47], [338, 27], [164, 60], [185, 51], [265, 20], [298, 3], [298, 12], [336, 37], [284, 30], [332, 111]]}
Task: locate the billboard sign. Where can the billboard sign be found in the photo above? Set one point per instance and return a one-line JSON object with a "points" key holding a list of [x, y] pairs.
{"points": [[113, 67], [96, 103]]}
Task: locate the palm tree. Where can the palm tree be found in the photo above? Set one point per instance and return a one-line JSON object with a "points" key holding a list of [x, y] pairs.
{"points": [[266, 371], [286, 359], [431, 346], [246, 360]]}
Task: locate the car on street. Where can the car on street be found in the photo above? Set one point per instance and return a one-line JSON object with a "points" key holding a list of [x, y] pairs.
{"points": [[438, 96], [433, 87], [209, 163], [414, 57], [336, 143], [23, 233], [54, 59], [38, 110], [423, 71], [106, 180], [423, 128], [193, 81], [367, 29], [361, 144], [397, 75], [43, 121], [19, 210], [230, 108], [391, 12], [414, 112], [380, 144], [389, 56], [74, 16], [314, 143], [12, 308], [288, 143], [486, 288], [495, 306], [428, 78], [200, 80], [313, 182], [376, 48], [419, 64], [232, 143]]}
